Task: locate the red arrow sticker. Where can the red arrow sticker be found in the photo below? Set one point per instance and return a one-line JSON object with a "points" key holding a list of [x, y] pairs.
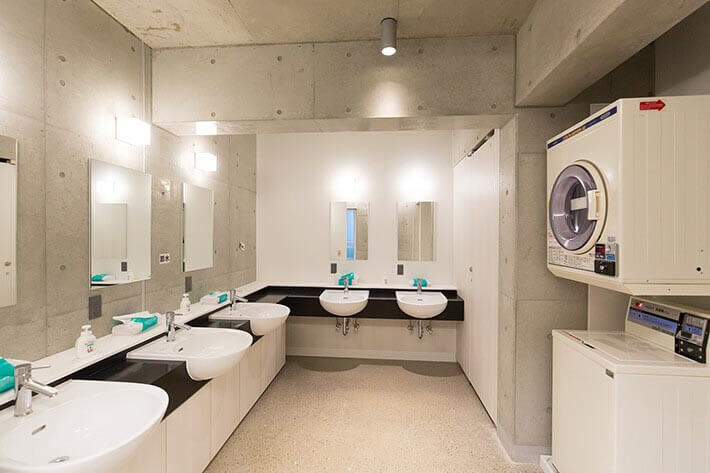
{"points": [[655, 105]]}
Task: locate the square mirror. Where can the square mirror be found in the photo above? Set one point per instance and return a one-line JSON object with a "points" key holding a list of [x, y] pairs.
{"points": [[348, 231], [120, 225], [197, 227], [415, 231], [8, 221]]}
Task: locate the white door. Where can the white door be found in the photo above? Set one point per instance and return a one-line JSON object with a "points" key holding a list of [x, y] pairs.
{"points": [[476, 187], [8, 222]]}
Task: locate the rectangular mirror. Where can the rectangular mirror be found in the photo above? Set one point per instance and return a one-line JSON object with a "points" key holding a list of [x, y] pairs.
{"points": [[348, 231], [197, 227], [8, 221], [120, 224], [415, 231]]}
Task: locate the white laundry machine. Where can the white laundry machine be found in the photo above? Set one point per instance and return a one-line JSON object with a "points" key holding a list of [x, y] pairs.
{"points": [[636, 401], [629, 200]]}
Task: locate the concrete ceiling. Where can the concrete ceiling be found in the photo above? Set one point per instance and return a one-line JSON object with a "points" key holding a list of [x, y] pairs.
{"points": [[192, 23]]}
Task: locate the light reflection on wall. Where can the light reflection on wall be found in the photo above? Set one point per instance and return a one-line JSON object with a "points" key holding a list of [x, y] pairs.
{"points": [[417, 183], [388, 100]]}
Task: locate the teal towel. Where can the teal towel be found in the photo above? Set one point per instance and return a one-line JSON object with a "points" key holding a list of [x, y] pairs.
{"points": [[146, 322], [222, 297], [424, 282], [7, 376], [350, 276], [98, 277]]}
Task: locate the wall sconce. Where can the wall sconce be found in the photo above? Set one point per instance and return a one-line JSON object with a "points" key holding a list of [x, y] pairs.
{"points": [[205, 162], [206, 128], [133, 131]]}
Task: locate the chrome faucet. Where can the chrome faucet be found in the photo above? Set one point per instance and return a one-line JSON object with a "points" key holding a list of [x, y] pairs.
{"points": [[419, 285], [234, 299], [172, 325], [25, 386], [346, 281]]}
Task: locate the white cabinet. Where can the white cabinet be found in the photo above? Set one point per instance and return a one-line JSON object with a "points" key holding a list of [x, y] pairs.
{"points": [[188, 434], [282, 347], [250, 378], [269, 359], [150, 456], [225, 407]]}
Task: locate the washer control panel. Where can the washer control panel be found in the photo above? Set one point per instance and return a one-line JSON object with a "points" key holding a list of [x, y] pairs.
{"points": [[691, 339]]}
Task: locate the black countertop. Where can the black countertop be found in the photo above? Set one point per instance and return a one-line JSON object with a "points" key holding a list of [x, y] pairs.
{"points": [[172, 376], [382, 303]]}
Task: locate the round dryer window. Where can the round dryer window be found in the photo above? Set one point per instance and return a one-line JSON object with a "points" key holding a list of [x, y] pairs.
{"points": [[577, 207]]}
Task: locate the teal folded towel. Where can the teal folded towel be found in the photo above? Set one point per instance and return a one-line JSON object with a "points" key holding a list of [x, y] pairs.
{"points": [[424, 282], [350, 276], [98, 277], [222, 297], [7, 375], [146, 322]]}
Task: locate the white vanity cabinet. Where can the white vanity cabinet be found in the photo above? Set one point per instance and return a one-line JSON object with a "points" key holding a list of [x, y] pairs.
{"points": [[250, 378], [189, 433], [225, 407], [150, 458]]}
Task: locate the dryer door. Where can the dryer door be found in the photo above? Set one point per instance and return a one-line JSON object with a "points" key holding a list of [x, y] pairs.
{"points": [[577, 207]]}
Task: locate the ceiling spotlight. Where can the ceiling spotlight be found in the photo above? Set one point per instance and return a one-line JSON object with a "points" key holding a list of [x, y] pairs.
{"points": [[389, 36]]}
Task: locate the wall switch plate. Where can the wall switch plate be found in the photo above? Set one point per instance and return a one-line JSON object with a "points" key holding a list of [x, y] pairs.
{"points": [[94, 307], [188, 283], [124, 266], [400, 270], [164, 258], [333, 268]]}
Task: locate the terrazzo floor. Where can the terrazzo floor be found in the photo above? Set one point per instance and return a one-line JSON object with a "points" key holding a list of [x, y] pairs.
{"points": [[343, 415]]}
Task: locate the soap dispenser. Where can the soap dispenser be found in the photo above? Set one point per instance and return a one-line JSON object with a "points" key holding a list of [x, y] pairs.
{"points": [[185, 304], [85, 344]]}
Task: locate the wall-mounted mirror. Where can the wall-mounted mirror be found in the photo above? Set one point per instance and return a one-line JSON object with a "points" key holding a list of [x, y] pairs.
{"points": [[8, 221], [415, 231], [349, 230], [197, 227], [120, 224]]}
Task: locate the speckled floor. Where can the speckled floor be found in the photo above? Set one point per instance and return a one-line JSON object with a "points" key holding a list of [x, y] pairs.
{"points": [[336, 415]]}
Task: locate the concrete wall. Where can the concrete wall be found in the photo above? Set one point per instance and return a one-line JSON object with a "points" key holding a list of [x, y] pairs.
{"points": [[68, 69], [427, 77], [682, 59]]}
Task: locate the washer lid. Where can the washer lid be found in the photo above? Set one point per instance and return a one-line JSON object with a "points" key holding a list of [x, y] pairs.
{"points": [[625, 353], [577, 207]]}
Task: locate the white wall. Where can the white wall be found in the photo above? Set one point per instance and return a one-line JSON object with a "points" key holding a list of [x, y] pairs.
{"points": [[682, 59], [300, 174]]}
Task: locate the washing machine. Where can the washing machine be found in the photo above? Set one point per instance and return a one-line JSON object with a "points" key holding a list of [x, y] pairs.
{"points": [[636, 401], [628, 198]]}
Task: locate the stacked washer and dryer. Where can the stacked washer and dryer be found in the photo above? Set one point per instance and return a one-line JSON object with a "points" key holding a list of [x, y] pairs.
{"points": [[629, 210]]}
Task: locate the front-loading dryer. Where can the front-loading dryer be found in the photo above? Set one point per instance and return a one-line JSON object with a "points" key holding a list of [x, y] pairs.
{"points": [[629, 197]]}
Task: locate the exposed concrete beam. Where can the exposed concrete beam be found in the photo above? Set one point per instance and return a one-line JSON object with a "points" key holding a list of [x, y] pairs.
{"points": [[348, 80], [564, 46]]}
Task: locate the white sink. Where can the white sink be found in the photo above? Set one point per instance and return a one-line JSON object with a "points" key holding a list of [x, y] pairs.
{"points": [[90, 426], [263, 317], [421, 306], [343, 304], [208, 352]]}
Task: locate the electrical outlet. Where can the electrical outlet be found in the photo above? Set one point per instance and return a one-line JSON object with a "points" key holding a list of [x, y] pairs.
{"points": [[333, 268], [400, 270], [164, 258], [188, 283]]}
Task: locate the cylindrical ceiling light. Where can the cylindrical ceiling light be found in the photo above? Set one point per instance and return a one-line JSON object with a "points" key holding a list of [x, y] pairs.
{"points": [[389, 36]]}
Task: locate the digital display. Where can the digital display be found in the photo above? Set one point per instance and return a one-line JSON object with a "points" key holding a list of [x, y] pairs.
{"points": [[693, 330], [653, 321]]}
